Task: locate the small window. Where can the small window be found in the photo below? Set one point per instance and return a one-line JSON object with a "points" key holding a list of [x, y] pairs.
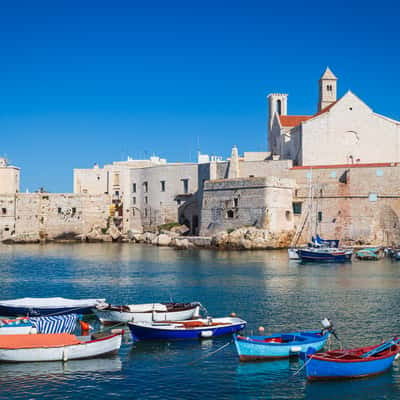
{"points": [[133, 212], [73, 210], [98, 178], [236, 202], [59, 210], [319, 216], [229, 214], [297, 207], [4, 211], [185, 183], [145, 212], [116, 193], [134, 188], [133, 200], [45, 197], [373, 197], [178, 202], [162, 183], [146, 200], [145, 187], [7, 229]]}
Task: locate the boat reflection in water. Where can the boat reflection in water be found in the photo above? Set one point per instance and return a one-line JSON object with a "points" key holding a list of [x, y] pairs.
{"points": [[24, 371]]}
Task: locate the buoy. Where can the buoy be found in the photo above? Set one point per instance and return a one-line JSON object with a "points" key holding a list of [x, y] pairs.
{"points": [[233, 314], [84, 326], [261, 329]]}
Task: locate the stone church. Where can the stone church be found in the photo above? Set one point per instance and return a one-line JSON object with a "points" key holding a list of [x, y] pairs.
{"points": [[342, 131]]}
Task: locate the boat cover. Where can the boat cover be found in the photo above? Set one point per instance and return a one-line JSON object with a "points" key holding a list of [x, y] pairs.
{"points": [[50, 302], [38, 340], [147, 307], [56, 324]]}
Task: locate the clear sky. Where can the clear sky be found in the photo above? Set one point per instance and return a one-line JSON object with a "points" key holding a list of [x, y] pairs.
{"points": [[96, 81]]}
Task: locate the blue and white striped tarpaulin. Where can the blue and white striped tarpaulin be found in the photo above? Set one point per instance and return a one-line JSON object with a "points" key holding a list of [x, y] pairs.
{"points": [[57, 324]]}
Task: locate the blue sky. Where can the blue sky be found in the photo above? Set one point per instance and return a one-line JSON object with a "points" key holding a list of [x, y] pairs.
{"points": [[84, 82]]}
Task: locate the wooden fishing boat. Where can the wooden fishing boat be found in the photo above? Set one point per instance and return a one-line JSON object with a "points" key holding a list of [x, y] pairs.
{"points": [[325, 254], [354, 363], [192, 329], [111, 314], [278, 346], [394, 254], [368, 254], [56, 347], [31, 306]]}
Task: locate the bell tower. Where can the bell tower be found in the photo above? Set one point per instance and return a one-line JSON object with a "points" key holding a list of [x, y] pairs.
{"points": [[327, 89]]}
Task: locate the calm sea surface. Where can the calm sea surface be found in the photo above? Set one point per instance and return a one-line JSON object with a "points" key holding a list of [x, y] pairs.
{"points": [[264, 288]]}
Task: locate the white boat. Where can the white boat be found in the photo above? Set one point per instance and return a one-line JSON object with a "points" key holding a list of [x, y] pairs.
{"points": [[293, 255], [18, 326], [56, 347], [34, 306], [111, 314]]}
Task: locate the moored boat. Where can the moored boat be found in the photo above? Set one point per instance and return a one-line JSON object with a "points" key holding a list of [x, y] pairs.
{"points": [[325, 254], [111, 314], [192, 329], [354, 363], [34, 307], [278, 346], [56, 347], [368, 254]]}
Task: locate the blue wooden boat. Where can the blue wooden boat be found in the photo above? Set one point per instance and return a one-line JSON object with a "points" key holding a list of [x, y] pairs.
{"points": [[281, 345], [190, 329], [369, 254], [325, 254], [348, 364], [36, 307]]}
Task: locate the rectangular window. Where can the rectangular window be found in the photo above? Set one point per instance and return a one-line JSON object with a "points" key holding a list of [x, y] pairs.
{"points": [[236, 202], [319, 216], [162, 183], [59, 210], [145, 187], [297, 207], [133, 200], [145, 212], [133, 187], [185, 183], [146, 200], [73, 210], [4, 211]]}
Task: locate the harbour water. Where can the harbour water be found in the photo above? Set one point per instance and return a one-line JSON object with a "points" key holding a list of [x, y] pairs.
{"points": [[362, 299]]}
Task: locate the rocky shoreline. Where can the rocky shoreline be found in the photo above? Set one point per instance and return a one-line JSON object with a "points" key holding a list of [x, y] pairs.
{"points": [[247, 238]]}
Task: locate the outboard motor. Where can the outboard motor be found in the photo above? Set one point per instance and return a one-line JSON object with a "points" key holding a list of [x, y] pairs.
{"points": [[327, 326]]}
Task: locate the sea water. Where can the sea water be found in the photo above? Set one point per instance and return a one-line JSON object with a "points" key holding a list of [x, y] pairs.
{"points": [[263, 287]]}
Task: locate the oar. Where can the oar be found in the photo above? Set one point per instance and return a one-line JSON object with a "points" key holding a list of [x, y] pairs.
{"points": [[380, 348]]}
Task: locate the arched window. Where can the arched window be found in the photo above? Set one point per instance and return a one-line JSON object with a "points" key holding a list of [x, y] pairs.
{"points": [[329, 88], [279, 107]]}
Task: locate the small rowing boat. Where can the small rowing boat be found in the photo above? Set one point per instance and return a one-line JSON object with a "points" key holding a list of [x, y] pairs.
{"points": [[325, 254], [354, 363], [35, 307], [192, 329], [56, 347], [278, 346], [111, 314]]}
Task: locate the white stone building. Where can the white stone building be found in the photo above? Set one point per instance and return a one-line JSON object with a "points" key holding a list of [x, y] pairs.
{"points": [[343, 131]]}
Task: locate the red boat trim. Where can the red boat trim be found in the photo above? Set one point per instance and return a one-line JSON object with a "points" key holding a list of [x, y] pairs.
{"points": [[386, 354]]}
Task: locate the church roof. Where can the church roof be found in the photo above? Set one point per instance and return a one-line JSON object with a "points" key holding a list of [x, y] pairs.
{"points": [[328, 74], [293, 120], [325, 109]]}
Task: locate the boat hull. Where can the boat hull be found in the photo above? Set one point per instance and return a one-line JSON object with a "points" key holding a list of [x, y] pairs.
{"points": [[141, 331], [89, 349], [315, 256], [255, 348], [111, 317], [317, 369]]}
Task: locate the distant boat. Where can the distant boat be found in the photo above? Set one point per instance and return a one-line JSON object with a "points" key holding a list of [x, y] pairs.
{"points": [[369, 254], [353, 363], [316, 242], [34, 307], [55, 324], [394, 254], [192, 329], [109, 313], [56, 347], [323, 254], [278, 346]]}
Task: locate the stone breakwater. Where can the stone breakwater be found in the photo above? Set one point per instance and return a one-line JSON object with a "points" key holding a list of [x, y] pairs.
{"points": [[248, 238]]}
